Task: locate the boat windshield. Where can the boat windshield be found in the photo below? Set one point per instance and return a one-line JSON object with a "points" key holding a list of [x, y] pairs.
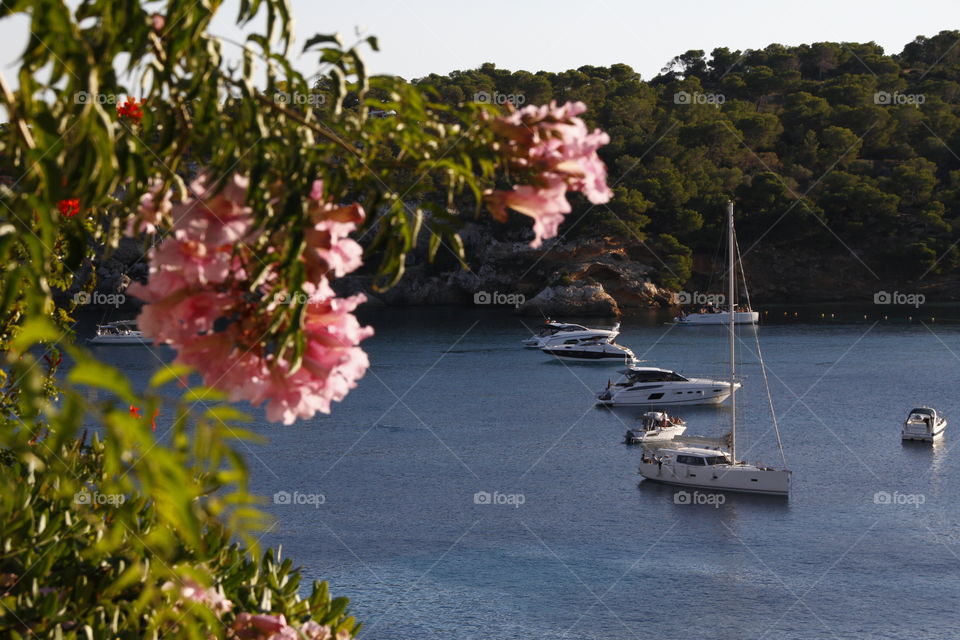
{"points": [[655, 376], [555, 327]]}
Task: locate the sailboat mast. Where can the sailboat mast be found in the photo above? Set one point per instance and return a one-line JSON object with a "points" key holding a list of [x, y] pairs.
{"points": [[732, 323]]}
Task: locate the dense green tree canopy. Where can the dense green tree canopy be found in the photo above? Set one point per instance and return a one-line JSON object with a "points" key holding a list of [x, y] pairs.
{"points": [[867, 142]]}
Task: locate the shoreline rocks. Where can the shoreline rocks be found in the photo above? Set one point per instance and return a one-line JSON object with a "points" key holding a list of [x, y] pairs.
{"points": [[572, 300]]}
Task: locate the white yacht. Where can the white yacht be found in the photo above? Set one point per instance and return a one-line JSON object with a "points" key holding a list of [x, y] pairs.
{"points": [[119, 332], [743, 316], [923, 423], [714, 468], [553, 333], [655, 426], [591, 350], [652, 386]]}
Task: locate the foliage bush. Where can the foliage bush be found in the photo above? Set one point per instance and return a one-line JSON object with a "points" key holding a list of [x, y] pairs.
{"points": [[109, 529]]}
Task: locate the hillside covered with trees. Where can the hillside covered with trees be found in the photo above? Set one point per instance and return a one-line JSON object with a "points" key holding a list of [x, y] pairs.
{"points": [[841, 157]]}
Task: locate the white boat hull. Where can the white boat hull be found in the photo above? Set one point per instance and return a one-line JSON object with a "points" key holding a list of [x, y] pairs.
{"points": [[723, 317], [923, 433], [602, 353], [741, 478], [119, 340], [660, 434], [656, 396]]}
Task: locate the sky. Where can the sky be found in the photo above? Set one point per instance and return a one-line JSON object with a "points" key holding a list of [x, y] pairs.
{"points": [[418, 37]]}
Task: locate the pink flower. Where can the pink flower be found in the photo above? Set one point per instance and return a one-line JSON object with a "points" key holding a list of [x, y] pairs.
{"points": [[212, 598], [314, 631], [154, 207], [157, 22], [553, 147], [328, 247], [547, 206], [200, 301], [263, 627]]}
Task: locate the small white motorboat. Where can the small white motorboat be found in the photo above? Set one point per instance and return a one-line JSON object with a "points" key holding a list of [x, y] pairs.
{"points": [[119, 332], [591, 350], [923, 423], [551, 333], [655, 426]]}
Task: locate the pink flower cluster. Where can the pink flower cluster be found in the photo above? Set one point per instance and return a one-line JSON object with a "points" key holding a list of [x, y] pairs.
{"points": [[261, 626], [199, 300], [553, 146], [212, 598], [275, 627]]}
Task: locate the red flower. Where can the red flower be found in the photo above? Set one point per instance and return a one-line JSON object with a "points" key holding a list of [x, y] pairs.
{"points": [[135, 411], [153, 420], [69, 207], [130, 109]]}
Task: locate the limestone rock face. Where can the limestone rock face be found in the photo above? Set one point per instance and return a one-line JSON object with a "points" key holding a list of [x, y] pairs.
{"points": [[572, 300]]}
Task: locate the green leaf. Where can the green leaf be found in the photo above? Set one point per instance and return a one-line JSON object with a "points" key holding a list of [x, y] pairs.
{"points": [[322, 39], [168, 373], [34, 330]]}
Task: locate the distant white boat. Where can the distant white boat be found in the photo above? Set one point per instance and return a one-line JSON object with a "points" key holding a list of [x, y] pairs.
{"points": [[655, 426], [553, 333], [652, 386], [718, 317], [923, 424], [592, 351], [119, 332]]}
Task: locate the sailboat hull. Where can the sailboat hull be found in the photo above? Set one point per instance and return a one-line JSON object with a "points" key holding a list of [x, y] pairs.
{"points": [[738, 478], [721, 317]]}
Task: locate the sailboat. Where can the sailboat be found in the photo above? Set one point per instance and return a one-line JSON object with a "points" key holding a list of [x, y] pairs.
{"points": [[717, 469]]}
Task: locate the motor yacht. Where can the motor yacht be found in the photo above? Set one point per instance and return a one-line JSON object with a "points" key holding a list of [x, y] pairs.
{"points": [[552, 333], [592, 351], [653, 386], [923, 423]]}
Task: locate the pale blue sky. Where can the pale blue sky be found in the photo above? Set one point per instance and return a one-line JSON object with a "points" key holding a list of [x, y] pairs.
{"points": [[422, 36]]}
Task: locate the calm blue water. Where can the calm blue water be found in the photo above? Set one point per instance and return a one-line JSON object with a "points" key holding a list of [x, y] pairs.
{"points": [[453, 406]]}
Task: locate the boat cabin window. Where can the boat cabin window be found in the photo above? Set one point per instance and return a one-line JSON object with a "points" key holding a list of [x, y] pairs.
{"points": [[691, 460], [655, 376]]}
